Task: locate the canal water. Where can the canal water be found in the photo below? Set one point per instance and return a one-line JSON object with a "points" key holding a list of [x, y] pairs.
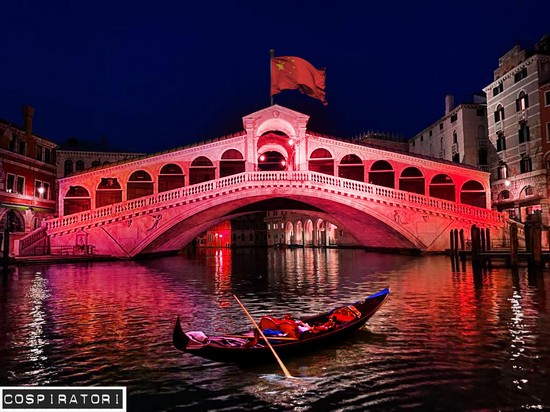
{"points": [[445, 340]]}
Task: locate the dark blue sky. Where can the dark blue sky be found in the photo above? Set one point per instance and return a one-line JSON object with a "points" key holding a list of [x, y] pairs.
{"points": [[152, 76]]}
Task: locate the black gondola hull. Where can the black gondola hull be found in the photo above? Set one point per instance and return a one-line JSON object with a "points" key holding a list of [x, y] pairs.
{"points": [[243, 354]]}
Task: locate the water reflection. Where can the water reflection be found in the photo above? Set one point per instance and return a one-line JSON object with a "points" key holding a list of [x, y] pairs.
{"points": [[447, 339]]}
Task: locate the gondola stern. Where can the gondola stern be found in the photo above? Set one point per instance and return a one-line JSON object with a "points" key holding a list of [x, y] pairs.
{"points": [[179, 338]]}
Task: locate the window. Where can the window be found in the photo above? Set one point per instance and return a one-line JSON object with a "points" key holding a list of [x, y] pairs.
{"points": [[501, 142], [547, 98], [523, 133], [79, 165], [421, 138], [41, 189], [440, 126], [10, 183], [20, 185], [455, 137], [522, 102], [525, 165], [430, 133], [502, 171], [454, 117], [48, 155], [548, 132], [68, 167], [498, 89], [529, 191], [480, 112], [522, 74], [499, 113], [39, 152], [22, 148]]}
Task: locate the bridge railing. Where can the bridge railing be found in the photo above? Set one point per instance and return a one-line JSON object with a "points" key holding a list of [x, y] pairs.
{"points": [[287, 178]]}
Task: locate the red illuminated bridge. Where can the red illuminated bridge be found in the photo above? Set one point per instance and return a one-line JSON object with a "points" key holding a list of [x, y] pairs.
{"points": [[161, 202]]}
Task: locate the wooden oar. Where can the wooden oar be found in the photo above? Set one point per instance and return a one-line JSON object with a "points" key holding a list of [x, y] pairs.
{"points": [[281, 364]]}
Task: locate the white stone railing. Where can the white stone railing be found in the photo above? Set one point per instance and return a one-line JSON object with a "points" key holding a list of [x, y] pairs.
{"points": [[312, 180]]}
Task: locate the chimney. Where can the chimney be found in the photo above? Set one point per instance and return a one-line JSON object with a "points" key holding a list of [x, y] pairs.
{"points": [[28, 113], [449, 103]]}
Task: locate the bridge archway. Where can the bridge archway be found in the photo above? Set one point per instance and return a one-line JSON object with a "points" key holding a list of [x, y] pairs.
{"points": [[139, 184], [201, 170], [77, 199]]}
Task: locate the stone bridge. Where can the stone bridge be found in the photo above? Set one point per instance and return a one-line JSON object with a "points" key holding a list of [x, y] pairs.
{"points": [[159, 203]]}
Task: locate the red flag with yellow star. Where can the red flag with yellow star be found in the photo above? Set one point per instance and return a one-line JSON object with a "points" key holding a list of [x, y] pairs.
{"points": [[289, 72]]}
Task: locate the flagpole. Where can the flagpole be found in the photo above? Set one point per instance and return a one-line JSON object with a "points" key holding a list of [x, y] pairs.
{"points": [[272, 54]]}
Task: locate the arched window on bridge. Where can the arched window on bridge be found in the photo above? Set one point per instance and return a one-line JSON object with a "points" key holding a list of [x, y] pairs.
{"points": [[139, 184], [108, 192], [321, 238], [77, 199], [201, 170], [170, 177], [412, 180], [271, 161], [321, 161], [443, 187], [351, 167], [232, 162], [382, 174], [79, 165], [472, 193]]}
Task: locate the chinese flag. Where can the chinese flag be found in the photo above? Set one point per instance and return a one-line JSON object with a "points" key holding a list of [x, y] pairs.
{"points": [[289, 72]]}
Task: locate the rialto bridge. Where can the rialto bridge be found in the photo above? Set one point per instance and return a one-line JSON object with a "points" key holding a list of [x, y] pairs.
{"points": [[161, 202]]}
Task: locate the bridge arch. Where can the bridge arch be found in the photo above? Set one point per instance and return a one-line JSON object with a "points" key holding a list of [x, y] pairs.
{"points": [[140, 184], [412, 180], [351, 167], [321, 160], [382, 174], [107, 192], [77, 199], [201, 170], [442, 186], [473, 193], [170, 177], [231, 163]]}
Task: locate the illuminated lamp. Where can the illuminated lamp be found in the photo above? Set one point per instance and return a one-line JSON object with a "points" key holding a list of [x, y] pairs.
{"points": [[507, 183], [41, 190], [290, 142], [262, 158], [283, 163]]}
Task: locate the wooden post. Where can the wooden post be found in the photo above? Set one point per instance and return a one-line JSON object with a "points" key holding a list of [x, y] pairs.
{"points": [[462, 243], [513, 245], [452, 242], [536, 245], [488, 238], [455, 236], [475, 245], [482, 238]]}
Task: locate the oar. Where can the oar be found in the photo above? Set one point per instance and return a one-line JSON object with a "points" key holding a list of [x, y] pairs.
{"points": [[281, 364]]}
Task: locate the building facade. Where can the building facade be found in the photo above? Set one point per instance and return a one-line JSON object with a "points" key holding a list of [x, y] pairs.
{"points": [[27, 177], [459, 136], [517, 120]]}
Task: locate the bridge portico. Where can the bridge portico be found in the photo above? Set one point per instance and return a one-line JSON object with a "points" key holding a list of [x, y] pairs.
{"points": [[160, 202]]}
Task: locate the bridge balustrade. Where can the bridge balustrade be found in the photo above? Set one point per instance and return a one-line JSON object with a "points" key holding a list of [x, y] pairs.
{"points": [[190, 193]]}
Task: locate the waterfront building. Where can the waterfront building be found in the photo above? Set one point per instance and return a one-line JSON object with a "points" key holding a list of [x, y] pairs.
{"points": [[517, 110], [75, 155], [459, 136], [27, 177], [298, 229]]}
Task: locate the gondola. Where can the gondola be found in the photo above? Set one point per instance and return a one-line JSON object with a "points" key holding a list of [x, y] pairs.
{"points": [[286, 336]]}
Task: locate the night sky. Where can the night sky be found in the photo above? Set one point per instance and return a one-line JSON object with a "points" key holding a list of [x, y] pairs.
{"points": [[151, 76]]}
